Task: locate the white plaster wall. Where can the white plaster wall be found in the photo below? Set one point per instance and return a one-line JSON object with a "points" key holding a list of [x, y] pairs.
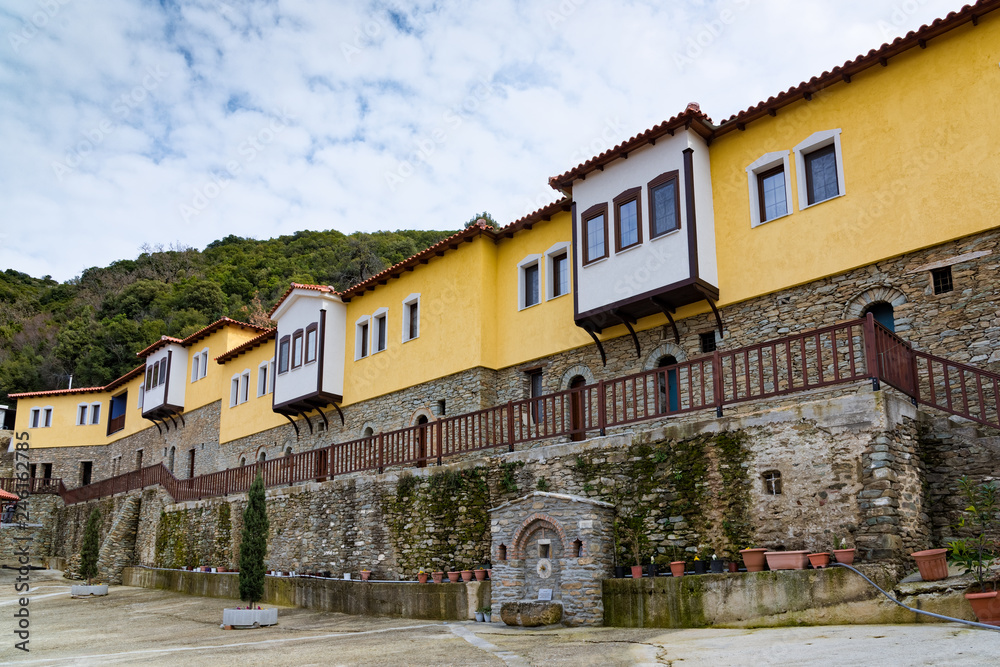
{"points": [[658, 262], [303, 310]]}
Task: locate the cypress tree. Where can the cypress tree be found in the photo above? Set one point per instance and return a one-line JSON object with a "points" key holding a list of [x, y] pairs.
{"points": [[90, 549], [253, 546]]}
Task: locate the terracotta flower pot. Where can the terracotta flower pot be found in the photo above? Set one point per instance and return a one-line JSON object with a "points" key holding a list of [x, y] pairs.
{"points": [[466, 575], [787, 560], [480, 575], [437, 577], [819, 560], [986, 607], [845, 556], [422, 577], [489, 573], [677, 568], [453, 577], [754, 559], [732, 566], [637, 571], [365, 574], [932, 563]]}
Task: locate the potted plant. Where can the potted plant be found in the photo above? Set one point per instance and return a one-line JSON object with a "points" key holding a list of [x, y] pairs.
{"points": [[437, 577], [715, 565], [820, 559], [753, 559], [480, 574], [841, 553], [453, 576], [365, 574], [632, 531], [253, 548], [422, 577], [699, 565], [932, 563], [89, 552], [975, 552], [787, 560], [466, 575], [488, 614], [481, 614]]}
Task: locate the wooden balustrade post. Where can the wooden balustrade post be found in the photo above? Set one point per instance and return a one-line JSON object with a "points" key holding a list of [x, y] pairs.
{"points": [[510, 424], [381, 453], [915, 396], [440, 442], [602, 413], [871, 351], [719, 383]]}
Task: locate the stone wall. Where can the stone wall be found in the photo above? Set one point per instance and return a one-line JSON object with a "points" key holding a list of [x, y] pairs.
{"points": [[42, 511]]}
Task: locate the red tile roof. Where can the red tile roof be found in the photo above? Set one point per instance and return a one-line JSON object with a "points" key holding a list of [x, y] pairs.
{"points": [[138, 370], [198, 335], [256, 341], [805, 90], [327, 289], [544, 213]]}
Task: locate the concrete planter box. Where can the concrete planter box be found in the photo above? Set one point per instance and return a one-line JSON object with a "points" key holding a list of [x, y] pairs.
{"points": [[88, 591], [249, 618]]}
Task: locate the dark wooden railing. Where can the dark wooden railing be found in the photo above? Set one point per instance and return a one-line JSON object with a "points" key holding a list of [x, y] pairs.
{"points": [[839, 354], [35, 485], [116, 424]]}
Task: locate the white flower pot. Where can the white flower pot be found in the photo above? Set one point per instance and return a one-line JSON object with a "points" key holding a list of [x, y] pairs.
{"points": [[249, 618], [88, 591]]}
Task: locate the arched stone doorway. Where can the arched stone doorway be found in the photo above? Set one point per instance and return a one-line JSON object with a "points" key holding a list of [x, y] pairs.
{"points": [[576, 407]]}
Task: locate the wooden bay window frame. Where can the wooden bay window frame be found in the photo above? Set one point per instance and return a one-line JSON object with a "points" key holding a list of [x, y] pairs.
{"points": [[627, 197], [595, 211], [669, 179]]}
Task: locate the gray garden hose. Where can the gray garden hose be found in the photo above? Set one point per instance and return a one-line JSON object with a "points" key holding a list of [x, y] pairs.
{"points": [[974, 624]]}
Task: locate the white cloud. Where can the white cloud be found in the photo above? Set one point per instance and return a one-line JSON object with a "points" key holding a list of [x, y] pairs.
{"points": [[190, 121]]}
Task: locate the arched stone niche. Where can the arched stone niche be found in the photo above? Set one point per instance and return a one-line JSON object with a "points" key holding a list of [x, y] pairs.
{"points": [[557, 546]]}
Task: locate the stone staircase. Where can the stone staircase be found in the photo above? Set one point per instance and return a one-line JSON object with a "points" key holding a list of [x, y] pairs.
{"points": [[118, 550]]}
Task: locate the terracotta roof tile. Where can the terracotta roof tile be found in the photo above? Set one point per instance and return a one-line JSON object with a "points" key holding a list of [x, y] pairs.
{"points": [[57, 392], [544, 213], [317, 288], [197, 335]]}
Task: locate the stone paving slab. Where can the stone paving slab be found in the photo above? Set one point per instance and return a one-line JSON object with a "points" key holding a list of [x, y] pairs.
{"points": [[152, 627]]}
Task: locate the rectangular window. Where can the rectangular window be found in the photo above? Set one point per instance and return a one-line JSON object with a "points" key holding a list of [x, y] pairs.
{"points": [[821, 174], [156, 375], [47, 470], [234, 392], [86, 469], [149, 377], [628, 220], [363, 335], [245, 387], [942, 280], [411, 319], [270, 368], [195, 374], [204, 363], [283, 348], [138, 459], [664, 204], [297, 349], [36, 415], [48, 417], [312, 336], [163, 370], [595, 233], [531, 285], [535, 388], [81, 415], [707, 341], [380, 333], [262, 381], [95, 413], [771, 194], [142, 396], [560, 274]]}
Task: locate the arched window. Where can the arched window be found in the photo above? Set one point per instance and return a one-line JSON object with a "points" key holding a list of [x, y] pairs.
{"points": [[243, 461], [422, 441], [502, 552], [288, 450], [667, 384], [262, 457], [577, 548], [772, 483], [368, 432], [883, 314]]}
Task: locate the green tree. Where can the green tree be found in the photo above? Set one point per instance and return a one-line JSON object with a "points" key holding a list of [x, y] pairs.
{"points": [[253, 546], [490, 222], [90, 549]]}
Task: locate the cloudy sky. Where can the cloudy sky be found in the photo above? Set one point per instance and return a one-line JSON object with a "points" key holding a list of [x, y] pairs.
{"points": [[128, 122]]}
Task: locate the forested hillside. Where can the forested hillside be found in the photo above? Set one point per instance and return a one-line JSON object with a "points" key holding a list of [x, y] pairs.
{"points": [[91, 327]]}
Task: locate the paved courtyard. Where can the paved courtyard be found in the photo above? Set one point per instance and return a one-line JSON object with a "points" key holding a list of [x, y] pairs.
{"points": [[135, 625]]}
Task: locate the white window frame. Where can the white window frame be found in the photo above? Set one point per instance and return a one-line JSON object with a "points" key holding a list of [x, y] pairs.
{"points": [[82, 415], [358, 336], [263, 378], [245, 385], [204, 363], [142, 396], [35, 419], [234, 390], [550, 277], [767, 162], [95, 413], [524, 264], [47, 416], [818, 140], [196, 368], [380, 314], [411, 300], [273, 368]]}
